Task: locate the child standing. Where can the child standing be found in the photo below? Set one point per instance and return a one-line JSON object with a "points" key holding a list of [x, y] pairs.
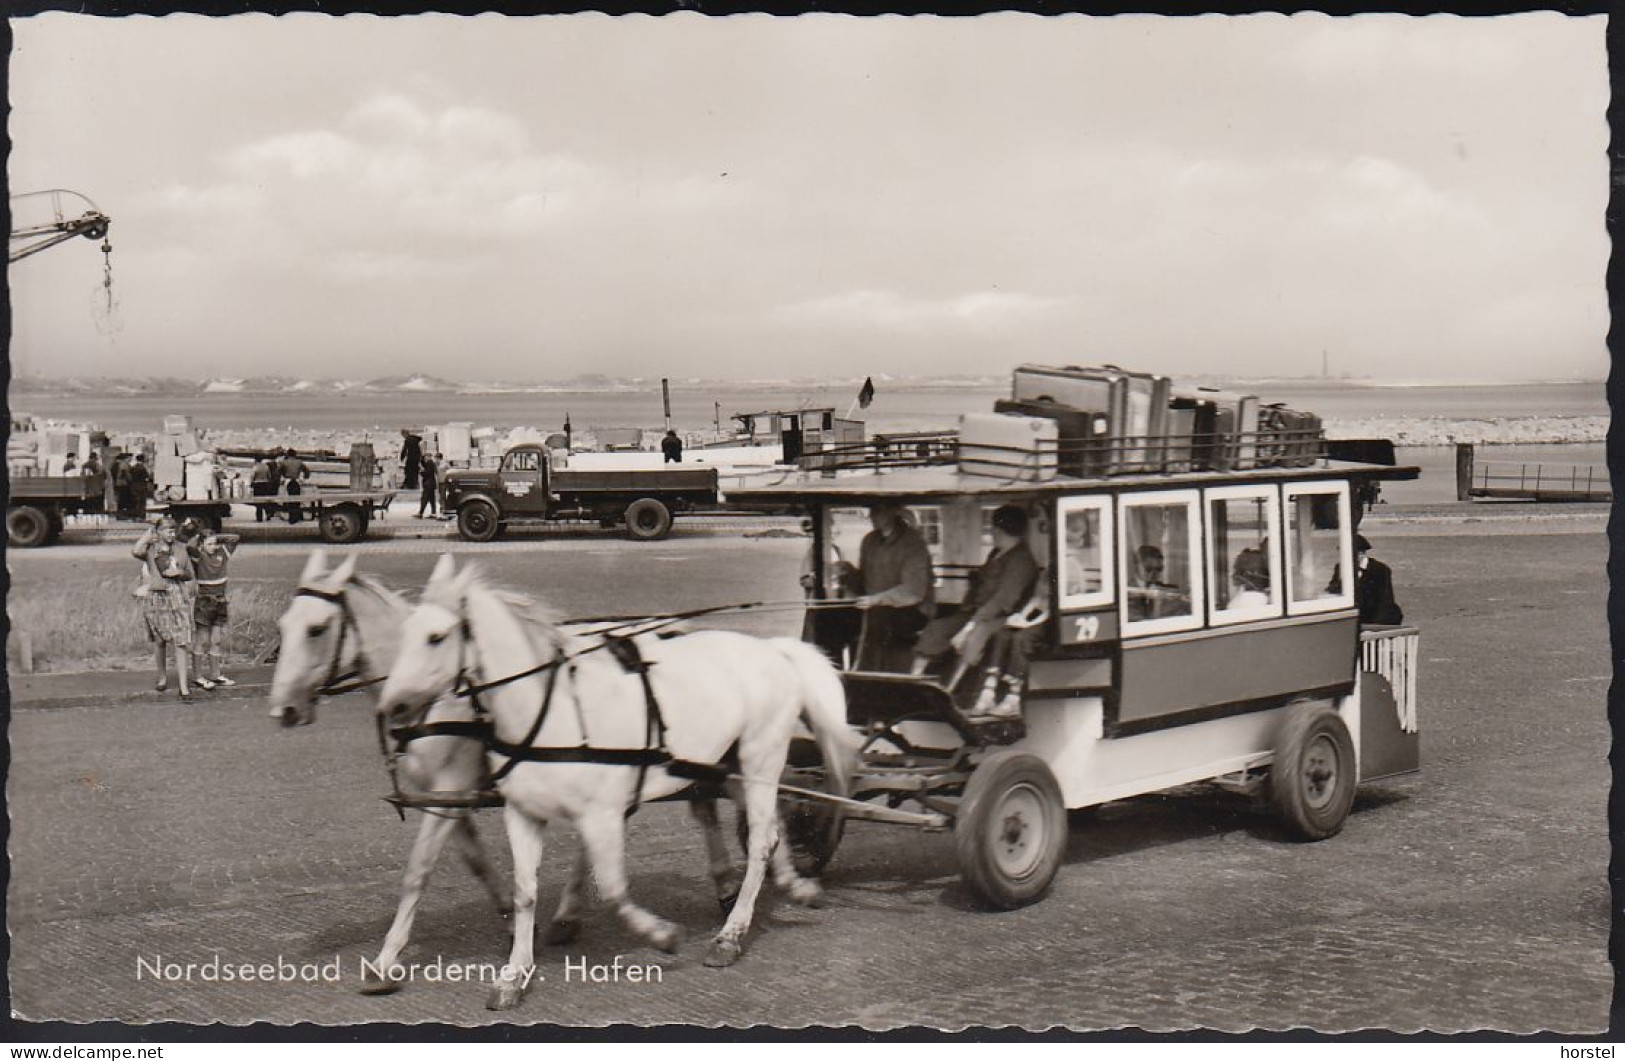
{"points": [[166, 593], [210, 556]]}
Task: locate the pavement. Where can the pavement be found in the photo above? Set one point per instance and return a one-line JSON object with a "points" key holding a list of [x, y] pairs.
{"points": [[1470, 896]]}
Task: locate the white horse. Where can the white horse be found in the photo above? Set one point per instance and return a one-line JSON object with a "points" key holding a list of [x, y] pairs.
{"points": [[344, 628], [719, 695]]}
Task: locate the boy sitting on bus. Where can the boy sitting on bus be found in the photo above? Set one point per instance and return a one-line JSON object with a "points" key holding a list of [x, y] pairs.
{"points": [[1001, 586]]}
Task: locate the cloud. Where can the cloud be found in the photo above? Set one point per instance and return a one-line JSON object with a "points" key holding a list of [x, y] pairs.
{"points": [[891, 311]]}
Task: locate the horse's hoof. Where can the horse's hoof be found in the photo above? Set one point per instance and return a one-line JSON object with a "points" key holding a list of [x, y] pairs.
{"points": [[504, 996], [561, 932], [372, 984], [666, 938], [806, 893], [723, 953]]}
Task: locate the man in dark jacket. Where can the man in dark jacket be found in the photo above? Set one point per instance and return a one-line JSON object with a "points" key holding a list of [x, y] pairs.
{"points": [[411, 458], [672, 447], [1374, 588], [294, 472], [140, 485]]}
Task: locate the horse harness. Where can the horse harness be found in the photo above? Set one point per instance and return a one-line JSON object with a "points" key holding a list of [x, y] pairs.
{"points": [[653, 754]]}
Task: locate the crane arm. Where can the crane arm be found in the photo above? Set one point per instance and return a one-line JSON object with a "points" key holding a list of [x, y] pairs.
{"points": [[92, 224]]}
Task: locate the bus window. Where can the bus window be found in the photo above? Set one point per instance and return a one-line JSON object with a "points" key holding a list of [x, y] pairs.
{"points": [[1244, 550], [1317, 548], [1161, 575], [1085, 551]]}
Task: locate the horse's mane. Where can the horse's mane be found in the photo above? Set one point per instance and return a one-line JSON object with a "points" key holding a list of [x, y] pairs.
{"points": [[535, 615], [389, 596]]}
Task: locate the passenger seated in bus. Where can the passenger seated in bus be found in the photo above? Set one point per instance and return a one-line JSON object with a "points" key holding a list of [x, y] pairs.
{"points": [[1249, 580], [998, 588], [1149, 596], [894, 566]]}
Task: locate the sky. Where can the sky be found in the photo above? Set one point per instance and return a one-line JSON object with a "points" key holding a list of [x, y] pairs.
{"points": [[503, 198]]}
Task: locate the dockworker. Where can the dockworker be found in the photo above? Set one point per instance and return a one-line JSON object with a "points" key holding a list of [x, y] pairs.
{"points": [[898, 598], [140, 485], [293, 472], [411, 458], [261, 484], [210, 555], [672, 447], [92, 465], [166, 593], [121, 485], [429, 499]]}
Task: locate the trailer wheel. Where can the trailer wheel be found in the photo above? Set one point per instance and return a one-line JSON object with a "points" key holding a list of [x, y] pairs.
{"points": [[813, 829], [1311, 782], [478, 520], [647, 520], [27, 527], [342, 524], [1011, 829]]}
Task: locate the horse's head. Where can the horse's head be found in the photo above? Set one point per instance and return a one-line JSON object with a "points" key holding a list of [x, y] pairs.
{"points": [[319, 641], [432, 653]]}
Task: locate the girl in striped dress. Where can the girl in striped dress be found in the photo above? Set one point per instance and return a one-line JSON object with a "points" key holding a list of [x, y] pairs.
{"points": [[168, 600]]}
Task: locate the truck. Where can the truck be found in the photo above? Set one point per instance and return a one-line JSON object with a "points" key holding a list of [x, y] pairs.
{"points": [[38, 503], [527, 488]]}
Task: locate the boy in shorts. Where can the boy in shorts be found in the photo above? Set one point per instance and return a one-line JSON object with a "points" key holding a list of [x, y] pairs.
{"points": [[210, 555]]}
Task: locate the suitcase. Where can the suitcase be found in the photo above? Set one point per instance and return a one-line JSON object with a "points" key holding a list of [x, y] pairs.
{"points": [[1135, 403], [1233, 443], [1019, 448], [1189, 435], [1288, 437], [1084, 437]]}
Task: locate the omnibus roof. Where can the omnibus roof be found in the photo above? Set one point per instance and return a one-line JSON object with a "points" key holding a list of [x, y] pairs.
{"points": [[947, 481]]}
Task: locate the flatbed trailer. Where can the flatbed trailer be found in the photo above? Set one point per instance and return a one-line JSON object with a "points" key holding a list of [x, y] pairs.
{"points": [[38, 504], [341, 516]]}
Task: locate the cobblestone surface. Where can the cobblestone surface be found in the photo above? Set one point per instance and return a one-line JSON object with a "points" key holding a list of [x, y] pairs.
{"points": [[1471, 896]]}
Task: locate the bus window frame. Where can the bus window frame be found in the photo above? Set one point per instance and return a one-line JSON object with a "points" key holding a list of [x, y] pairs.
{"points": [[1196, 618], [1106, 595], [1271, 495], [1316, 605]]}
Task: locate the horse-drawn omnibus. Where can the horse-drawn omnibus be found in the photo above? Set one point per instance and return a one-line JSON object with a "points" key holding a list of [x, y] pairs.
{"points": [[1153, 663]]}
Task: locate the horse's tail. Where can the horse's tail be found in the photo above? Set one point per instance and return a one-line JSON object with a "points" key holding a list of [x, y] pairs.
{"points": [[823, 704]]}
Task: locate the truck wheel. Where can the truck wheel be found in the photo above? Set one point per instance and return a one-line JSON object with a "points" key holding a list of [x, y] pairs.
{"points": [[1311, 782], [342, 524], [478, 520], [647, 520], [27, 527], [1011, 829]]}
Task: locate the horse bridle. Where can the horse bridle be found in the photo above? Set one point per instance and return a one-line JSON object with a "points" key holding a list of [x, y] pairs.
{"points": [[336, 672]]}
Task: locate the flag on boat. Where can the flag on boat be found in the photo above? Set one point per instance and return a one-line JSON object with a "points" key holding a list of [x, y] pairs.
{"points": [[867, 394]]}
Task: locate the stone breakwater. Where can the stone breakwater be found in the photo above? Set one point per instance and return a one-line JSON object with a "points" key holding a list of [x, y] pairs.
{"points": [[1445, 431]]}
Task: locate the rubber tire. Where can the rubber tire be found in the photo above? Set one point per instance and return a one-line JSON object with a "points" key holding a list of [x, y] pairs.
{"points": [[647, 520], [984, 812], [478, 520], [813, 830], [342, 524], [1312, 738], [27, 527]]}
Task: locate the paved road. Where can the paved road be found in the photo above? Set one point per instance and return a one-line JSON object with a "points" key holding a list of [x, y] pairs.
{"points": [[1472, 896]]}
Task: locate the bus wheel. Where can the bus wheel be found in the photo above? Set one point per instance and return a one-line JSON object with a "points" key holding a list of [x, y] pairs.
{"points": [[647, 520], [27, 527], [812, 828], [477, 520], [1011, 829], [1311, 782], [342, 524]]}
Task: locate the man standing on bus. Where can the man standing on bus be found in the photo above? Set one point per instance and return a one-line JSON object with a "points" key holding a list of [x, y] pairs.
{"points": [[898, 597]]}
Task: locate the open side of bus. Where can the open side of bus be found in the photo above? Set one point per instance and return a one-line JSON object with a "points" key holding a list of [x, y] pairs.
{"points": [[1192, 624]]}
